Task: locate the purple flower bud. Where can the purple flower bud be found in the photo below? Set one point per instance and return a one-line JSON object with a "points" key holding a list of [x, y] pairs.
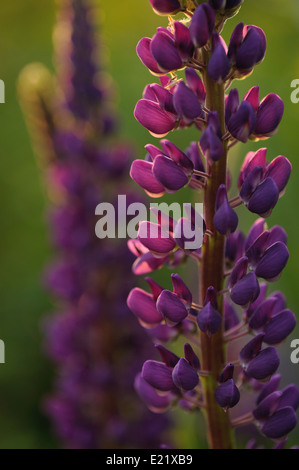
{"points": [[252, 50], [165, 52], [256, 230], [165, 7], [191, 357], [246, 290], [231, 104], [225, 219], [218, 67], [181, 290], [179, 157], [279, 327], [184, 376], [227, 394], [273, 261], [183, 41], [209, 319], [210, 141], [251, 349], [235, 246], [186, 103], [242, 123], [156, 403], [169, 174], [267, 406], [269, 115], [158, 375], [156, 120], [202, 25], [142, 173], [262, 314], [253, 97], [155, 288], [280, 423], [279, 170], [269, 388], [143, 306], [264, 198], [155, 239], [169, 358], [238, 272], [264, 364], [145, 55], [252, 160], [251, 183], [289, 397], [277, 234], [252, 307], [195, 84], [227, 373], [161, 95], [255, 252], [171, 307]]}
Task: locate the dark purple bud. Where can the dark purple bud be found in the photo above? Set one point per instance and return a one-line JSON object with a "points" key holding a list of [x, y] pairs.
{"points": [[145, 55], [277, 234], [165, 52], [264, 364], [264, 198], [273, 261], [279, 327], [257, 249], [155, 239], [231, 104], [235, 246], [186, 103], [156, 403], [183, 41], [230, 316], [180, 289], [251, 183], [238, 272], [211, 145], [158, 375], [267, 407], [179, 157], [227, 394], [191, 357], [142, 304], [169, 174], [195, 156], [211, 296], [256, 230], [227, 373], [246, 290], [195, 84], [251, 349], [165, 7], [262, 314], [141, 172], [235, 42], [218, 67], [168, 357], [202, 25], [279, 170], [209, 319], [252, 307], [156, 120], [280, 423], [242, 123], [289, 397], [184, 376], [269, 388], [171, 307], [225, 219], [252, 50], [269, 116]]}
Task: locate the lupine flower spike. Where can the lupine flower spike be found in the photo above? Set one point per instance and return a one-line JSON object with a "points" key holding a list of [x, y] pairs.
{"points": [[231, 302]]}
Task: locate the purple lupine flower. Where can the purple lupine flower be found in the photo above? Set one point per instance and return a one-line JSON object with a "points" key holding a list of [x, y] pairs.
{"points": [[91, 279], [232, 300]]}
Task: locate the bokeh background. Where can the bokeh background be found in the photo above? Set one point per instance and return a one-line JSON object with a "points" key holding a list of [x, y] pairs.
{"points": [[26, 36]]}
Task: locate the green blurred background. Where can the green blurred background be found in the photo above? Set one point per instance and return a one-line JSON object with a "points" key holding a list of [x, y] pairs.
{"points": [[26, 36]]}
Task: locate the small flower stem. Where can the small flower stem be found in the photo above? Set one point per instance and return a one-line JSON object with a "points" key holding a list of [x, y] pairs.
{"points": [[213, 350], [237, 336]]}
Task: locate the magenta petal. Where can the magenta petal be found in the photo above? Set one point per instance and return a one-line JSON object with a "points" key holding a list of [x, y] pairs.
{"points": [[168, 174], [145, 55], [141, 172], [279, 170], [150, 115], [195, 84], [165, 52], [155, 239], [186, 103], [183, 41], [147, 263], [180, 289], [143, 306], [165, 7]]}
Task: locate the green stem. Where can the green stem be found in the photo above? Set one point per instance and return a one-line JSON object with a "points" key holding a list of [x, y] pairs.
{"points": [[220, 432]]}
